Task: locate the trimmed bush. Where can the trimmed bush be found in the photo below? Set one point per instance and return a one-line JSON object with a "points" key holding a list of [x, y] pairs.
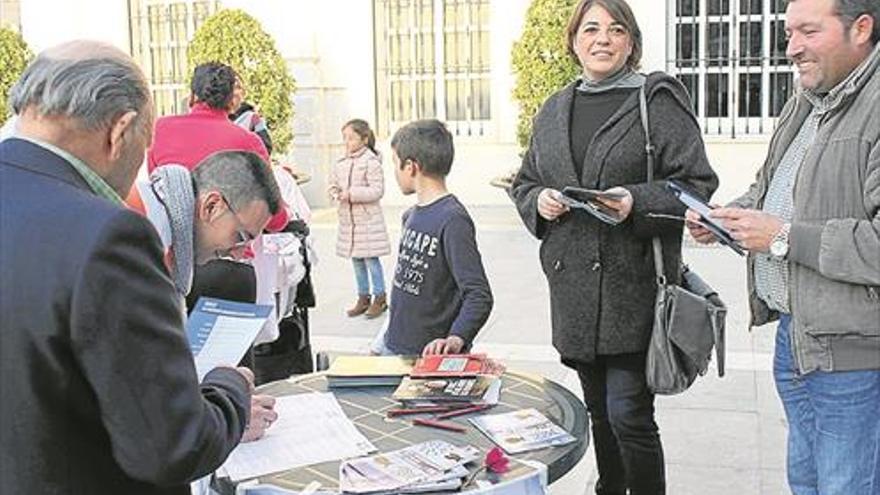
{"points": [[14, 57], [541, 61], [236, 39]]}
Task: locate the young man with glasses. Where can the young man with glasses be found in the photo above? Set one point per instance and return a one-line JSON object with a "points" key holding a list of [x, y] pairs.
{"points": [[194, 215]]}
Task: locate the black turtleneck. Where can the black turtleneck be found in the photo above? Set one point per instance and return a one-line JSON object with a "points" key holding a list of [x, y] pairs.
{"points": [[589, 112]]}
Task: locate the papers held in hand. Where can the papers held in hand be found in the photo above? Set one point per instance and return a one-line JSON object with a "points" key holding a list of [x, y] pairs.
{"points": [[696, 203], [588, 201]]}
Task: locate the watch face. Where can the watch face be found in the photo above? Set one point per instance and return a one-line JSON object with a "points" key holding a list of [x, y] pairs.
{"points": [[779, 248]]}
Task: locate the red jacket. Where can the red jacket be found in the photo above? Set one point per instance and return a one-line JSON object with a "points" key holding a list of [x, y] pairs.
{"points": [[188, 139]]}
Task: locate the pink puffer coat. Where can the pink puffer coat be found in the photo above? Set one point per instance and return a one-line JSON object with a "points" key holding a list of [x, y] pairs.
{"points": [[362, 232]]}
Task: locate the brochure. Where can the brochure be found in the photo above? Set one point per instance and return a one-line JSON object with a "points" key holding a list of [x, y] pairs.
{"points": [[424, 463], [521, 431], [220, 331]]}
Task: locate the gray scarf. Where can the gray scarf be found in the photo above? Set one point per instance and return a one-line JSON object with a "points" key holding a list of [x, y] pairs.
{"points": [[624, 78], [173, 187]]}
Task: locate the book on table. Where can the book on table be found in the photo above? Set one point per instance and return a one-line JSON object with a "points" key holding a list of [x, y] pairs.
{"points": [[443, 390], [455, 365], [366, 371]]}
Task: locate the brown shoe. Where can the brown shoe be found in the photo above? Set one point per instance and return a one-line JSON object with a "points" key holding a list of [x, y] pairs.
{"points": [[362, 304], [378, 307]]}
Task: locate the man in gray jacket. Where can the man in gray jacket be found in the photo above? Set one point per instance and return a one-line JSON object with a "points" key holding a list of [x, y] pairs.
{"points": [[811, 222]]}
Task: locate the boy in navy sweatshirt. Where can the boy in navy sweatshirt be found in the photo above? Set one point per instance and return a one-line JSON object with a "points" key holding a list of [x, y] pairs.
{"points": [[440, 297]]}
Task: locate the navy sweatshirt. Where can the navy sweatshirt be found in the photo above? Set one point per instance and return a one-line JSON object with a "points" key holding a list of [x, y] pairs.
{"points": [[440, 286]]}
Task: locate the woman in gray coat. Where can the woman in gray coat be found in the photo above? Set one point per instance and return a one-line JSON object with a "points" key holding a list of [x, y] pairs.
{"points": [[601, 276]]}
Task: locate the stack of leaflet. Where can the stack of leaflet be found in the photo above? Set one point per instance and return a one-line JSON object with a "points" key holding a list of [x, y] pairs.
{"points": [[430, 466], [368, 371], [463, 379], [521, 431]]}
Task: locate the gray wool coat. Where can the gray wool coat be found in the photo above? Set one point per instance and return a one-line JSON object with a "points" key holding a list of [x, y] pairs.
{"points": [[601, 277]]}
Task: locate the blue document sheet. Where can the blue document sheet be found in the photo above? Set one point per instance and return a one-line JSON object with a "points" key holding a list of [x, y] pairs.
{"points": [[220, 332]]}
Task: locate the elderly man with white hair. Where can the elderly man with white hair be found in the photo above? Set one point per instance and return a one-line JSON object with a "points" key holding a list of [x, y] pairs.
{"points": [[99, 389]]}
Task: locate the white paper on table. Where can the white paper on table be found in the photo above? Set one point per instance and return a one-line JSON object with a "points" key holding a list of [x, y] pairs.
{"points": [[311, 428], [493, 393]]}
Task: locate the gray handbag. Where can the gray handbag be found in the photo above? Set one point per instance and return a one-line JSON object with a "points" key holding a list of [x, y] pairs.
{"points": [[688, 318]]}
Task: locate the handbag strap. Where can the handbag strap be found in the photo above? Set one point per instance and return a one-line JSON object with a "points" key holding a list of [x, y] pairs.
{"points": [[649, 151]]}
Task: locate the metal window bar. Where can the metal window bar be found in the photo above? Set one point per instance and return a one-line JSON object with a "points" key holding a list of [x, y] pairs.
{"points": [[432, 63], [745, 79], [160, 31]]}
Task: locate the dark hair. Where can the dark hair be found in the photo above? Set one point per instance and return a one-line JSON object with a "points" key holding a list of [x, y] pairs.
{"points": [[241, 176], [850, 10], [426, 142], [619, 11], [213, 83], [362, 129]]}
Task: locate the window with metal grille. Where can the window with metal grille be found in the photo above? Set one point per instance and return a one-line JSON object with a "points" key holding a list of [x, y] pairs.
{"points": [[160, 33], [730, 55], [432, 61]]}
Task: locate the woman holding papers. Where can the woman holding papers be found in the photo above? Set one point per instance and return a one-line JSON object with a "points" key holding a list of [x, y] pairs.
{"points": [[596, 245]]}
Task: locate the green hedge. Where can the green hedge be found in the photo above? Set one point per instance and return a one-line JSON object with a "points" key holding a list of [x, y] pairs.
{"points": [[234, 38], [540, 60], [14, 57]]}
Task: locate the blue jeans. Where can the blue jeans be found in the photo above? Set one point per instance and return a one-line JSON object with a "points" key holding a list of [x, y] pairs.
{"points": [[363, 266], [833, 425]]}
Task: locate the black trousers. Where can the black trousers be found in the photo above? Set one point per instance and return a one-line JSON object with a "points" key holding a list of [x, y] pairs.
{"points": [[626, 439]]}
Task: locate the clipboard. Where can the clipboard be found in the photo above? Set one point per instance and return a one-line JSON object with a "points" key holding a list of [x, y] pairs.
{"points": [[695, 203]]}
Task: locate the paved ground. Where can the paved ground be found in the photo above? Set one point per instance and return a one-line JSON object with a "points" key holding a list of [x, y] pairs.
{"points": [[724, 436]]}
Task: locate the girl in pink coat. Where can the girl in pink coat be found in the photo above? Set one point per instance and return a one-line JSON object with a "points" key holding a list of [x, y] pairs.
{"points": [[357, 185]]}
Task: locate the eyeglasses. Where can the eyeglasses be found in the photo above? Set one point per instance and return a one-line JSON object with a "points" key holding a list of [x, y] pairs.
{"points": [[244, 237]]}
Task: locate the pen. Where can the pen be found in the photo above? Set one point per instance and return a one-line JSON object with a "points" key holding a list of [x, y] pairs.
{"points": [[460, 412], [416, 410], [439, 424]]}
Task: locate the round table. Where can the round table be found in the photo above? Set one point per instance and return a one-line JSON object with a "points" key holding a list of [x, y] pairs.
{"points": [[366, 407]]}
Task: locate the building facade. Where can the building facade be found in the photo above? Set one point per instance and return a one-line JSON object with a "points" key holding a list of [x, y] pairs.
{"points": [[392, 61]]}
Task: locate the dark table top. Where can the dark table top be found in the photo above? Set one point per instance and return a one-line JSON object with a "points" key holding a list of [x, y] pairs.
{"points": [[366, 407]]}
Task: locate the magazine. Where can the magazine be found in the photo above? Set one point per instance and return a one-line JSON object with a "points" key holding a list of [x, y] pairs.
{"points": [[455, 365], [443, 389], [521, 431], [428, 462]]}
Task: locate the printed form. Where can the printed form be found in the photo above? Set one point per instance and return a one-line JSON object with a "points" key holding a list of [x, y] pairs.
{"points": [[220, 332], [311, 428]]}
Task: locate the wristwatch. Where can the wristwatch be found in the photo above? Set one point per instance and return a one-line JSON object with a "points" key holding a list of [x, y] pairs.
{"points": [[779, 244]]}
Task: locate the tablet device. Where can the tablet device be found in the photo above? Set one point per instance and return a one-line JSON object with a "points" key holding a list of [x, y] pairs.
{"points": [[695, 203]]}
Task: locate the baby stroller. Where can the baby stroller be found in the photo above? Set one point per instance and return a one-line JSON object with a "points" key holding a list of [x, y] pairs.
{"points": [[291, 352]]}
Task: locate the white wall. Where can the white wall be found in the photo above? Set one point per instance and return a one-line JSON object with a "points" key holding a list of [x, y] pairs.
{"points": [[328, 47], [45, 23], [506, 18], [651, 16]]}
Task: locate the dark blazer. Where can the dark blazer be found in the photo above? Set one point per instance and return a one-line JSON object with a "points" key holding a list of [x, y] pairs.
{"points": [[99, 390], [601, 277]]}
